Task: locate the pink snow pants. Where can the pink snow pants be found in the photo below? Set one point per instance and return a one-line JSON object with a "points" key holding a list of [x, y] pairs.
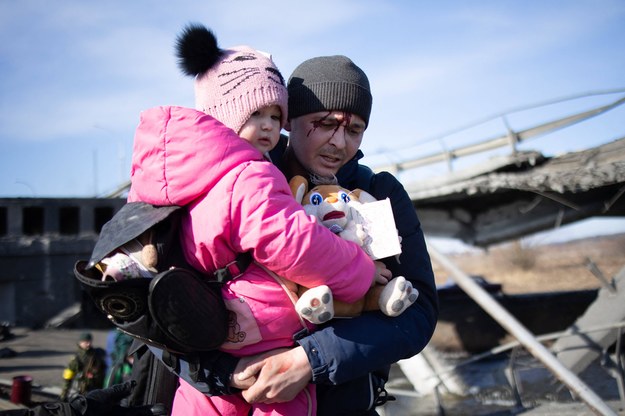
{"points": [[190, 402]]}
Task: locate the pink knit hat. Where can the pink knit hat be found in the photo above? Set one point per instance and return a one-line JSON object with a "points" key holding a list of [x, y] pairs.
{"points": [[230, 84]]}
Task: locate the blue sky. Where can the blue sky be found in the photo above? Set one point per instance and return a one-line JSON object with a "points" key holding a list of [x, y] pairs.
{"points": [[74, 75]]}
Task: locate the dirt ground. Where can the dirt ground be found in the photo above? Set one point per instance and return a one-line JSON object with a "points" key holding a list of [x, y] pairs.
{"points": [[523, 268]]}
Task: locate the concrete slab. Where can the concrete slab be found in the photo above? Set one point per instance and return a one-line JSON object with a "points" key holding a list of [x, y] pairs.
{"points": [[577, 350]]}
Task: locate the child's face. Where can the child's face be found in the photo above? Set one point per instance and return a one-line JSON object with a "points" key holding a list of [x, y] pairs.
{"points": [[262, 129]]}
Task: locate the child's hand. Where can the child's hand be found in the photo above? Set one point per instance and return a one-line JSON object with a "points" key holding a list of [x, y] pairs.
{"points": [[247, 369], [382, 274]]}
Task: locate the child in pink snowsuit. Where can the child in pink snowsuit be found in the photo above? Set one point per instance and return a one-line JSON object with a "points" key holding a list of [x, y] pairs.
{"points": [[237, 201]]}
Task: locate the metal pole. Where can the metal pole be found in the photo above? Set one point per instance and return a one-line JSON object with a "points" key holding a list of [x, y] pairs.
{"points": [[526, 338]]}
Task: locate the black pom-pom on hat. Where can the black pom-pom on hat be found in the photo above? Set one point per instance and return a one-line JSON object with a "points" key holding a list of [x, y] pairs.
{"points": [[232, 83], [197, 50]]}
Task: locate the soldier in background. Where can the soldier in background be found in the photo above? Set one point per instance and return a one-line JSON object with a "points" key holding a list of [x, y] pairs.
{"points": [[86, 370]]}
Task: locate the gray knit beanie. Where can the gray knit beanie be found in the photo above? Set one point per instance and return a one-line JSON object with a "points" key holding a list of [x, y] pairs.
{"points": [[328, 83]]}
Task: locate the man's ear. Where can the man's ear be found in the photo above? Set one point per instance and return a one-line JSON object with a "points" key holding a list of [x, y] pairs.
{"points": [[287, 126], [299, 187]]}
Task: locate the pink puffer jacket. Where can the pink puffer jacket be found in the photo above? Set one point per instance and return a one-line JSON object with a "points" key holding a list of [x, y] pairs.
{"points": [[238, 202]]}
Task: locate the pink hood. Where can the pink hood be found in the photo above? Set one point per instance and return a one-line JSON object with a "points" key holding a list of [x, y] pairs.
{"points": [[165, 172]]}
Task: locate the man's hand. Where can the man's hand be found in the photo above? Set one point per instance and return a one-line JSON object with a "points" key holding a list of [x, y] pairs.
{"points": [[279, 377]]}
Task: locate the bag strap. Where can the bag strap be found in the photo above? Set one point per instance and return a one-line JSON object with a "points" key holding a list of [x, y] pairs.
{"points": [[234, 269], [304, 331]]}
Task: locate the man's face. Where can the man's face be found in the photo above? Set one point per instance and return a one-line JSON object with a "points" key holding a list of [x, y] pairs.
{"points": [[325, 141]]}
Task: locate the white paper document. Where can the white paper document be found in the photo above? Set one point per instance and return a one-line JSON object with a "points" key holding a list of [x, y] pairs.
{"points": [[379, 224]]}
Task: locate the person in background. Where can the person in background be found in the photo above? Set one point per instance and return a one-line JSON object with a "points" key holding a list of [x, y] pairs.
{"points": [[86, 369], [110, 346], [120, 368]]}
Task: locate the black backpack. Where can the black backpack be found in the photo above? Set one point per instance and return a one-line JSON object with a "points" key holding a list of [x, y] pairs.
{"points": [[177, 310]]}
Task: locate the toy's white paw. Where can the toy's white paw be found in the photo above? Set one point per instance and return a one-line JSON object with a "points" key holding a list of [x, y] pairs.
{"points": [[315, 305], [397, 295], [361, 233]]}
